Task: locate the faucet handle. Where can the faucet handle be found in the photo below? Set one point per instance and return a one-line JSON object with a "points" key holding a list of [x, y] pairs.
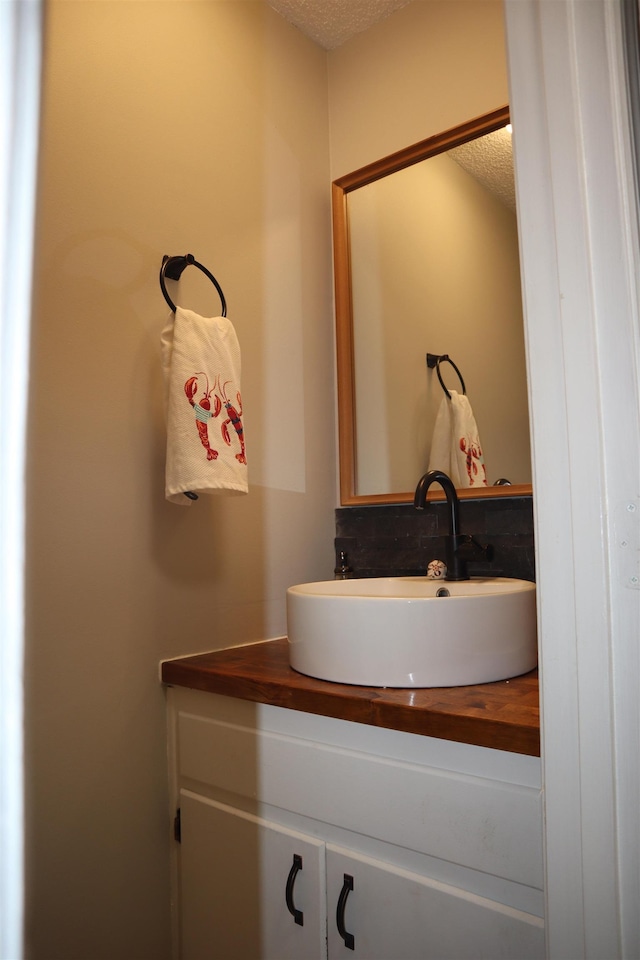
{"points": [[468, 548], [471, 549], [462, 550]]}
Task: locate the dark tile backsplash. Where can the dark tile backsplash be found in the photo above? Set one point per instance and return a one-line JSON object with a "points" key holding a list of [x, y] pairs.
{"points": [[400, 541]]}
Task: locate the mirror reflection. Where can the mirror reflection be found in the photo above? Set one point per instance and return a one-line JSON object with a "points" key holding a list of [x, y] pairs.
{"points": [[426, 259]]}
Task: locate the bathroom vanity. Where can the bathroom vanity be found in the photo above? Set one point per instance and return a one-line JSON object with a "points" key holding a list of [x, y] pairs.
{"points": [[321, 820]]}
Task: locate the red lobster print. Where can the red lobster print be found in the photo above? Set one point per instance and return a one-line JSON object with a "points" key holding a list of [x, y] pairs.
{"points": [[234, 418], [203, 411], [474, 462]]}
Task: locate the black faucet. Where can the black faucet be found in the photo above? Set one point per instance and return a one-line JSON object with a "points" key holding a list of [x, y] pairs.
{"points": [[459, 549]]}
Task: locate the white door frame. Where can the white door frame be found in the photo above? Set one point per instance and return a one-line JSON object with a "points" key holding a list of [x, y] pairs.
{"points": [[20, 56], [577, 210]]}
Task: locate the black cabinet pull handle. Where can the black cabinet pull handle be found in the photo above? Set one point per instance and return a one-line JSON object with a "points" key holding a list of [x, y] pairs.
{"points": [[288, 895], [347, 887]]}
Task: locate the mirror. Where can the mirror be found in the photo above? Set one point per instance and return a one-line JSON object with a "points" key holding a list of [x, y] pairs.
{"points": [[426, 261]]}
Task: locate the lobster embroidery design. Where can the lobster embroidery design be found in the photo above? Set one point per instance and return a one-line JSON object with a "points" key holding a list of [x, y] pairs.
{"points": [[204, 413], [203, 410], [233, 418], [475, 462]]}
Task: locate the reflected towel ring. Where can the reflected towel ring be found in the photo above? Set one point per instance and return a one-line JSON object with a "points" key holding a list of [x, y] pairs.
{"points": [[434, 360], [172, 267]]}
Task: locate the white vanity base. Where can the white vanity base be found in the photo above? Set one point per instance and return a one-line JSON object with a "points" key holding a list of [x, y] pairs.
{"points": [[442, 840]]}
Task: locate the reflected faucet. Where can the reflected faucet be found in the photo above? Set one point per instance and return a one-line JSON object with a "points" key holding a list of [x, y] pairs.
{"points": [[459, 549]]}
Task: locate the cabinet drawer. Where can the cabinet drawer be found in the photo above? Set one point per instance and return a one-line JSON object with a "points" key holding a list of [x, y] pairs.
{"points": [[483, 824]]}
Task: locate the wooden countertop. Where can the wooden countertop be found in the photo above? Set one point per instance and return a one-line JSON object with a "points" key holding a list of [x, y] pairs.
{"points": [[502, 715]]}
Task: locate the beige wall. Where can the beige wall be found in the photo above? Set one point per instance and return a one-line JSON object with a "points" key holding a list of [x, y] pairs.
{"points": [[432, 65], [167, 127]]}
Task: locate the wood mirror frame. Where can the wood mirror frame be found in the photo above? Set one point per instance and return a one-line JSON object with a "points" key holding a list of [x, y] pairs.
{"points": [[344, 312]]}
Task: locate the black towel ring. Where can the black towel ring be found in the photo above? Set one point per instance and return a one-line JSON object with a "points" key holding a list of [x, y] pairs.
{"points": [[434, 360], [172, 267]]}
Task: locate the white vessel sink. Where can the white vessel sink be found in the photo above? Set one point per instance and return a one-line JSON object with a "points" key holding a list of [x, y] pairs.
{"points": [[396, 632]]}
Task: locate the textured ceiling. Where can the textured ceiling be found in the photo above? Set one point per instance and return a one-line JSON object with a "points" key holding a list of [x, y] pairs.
{"points": [[490, 160], [330, 22]]}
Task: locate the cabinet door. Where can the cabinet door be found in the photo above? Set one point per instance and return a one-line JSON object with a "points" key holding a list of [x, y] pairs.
{"points": [[249, 889], [392, 913]]}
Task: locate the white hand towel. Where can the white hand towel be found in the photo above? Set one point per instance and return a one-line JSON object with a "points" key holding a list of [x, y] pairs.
{"points": [[205, 437], [455, 446]]}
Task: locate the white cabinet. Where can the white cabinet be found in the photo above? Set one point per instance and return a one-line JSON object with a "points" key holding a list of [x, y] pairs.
{"points": [[249, 888], [393, 913], [305, 837]]}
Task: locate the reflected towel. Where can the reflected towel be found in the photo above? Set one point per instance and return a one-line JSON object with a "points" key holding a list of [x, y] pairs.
{"points": [[205, 437], [455, 446]]}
